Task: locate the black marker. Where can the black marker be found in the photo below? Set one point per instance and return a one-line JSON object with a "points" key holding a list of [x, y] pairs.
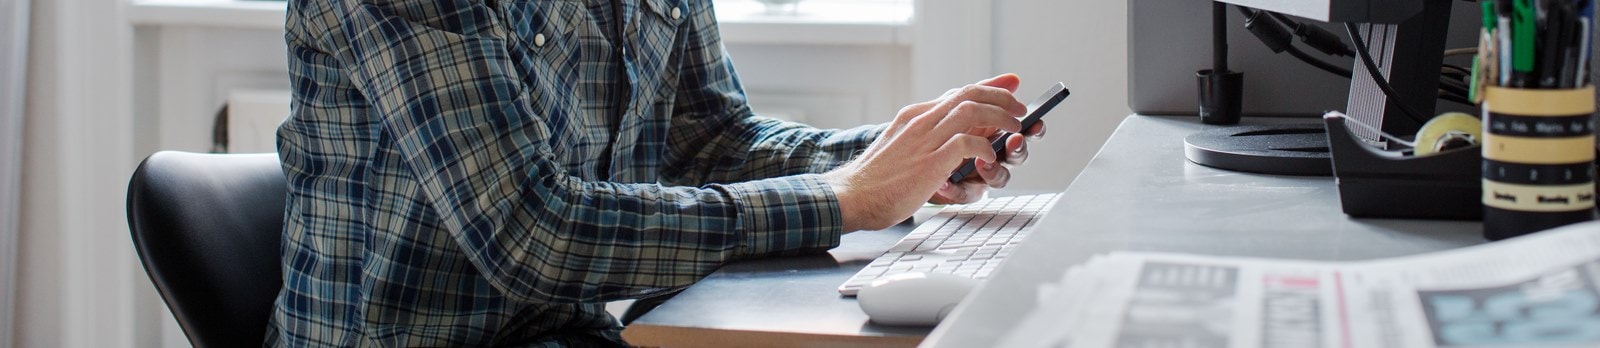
{"points": [[1036, 110]]}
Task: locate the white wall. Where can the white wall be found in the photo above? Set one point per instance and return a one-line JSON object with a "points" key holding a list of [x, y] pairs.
{"points": [[38, 321], [76, 265], [38, 271], [13, 82], [831, 87], [1083, 43], [39, 298]]}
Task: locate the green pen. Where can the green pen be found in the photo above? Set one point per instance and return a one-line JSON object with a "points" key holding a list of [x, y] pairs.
{"points": [[1523, 23], [1488, 15]]}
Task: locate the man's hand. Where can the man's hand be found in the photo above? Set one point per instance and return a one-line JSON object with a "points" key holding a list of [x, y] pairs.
{"points": [[989, 174], [910, 163]]}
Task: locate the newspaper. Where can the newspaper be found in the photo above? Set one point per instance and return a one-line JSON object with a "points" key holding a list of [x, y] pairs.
{"points": [[1541, 290]]}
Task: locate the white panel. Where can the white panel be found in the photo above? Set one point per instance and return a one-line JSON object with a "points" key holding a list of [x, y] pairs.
{"points": [[952, 45], [13, 78], [253, 119], [811, 80], [199, 67], [39, 297], [819, 110], [211, 13], [1311, 9], [95, 145], [812, 34], [1081, 43]]}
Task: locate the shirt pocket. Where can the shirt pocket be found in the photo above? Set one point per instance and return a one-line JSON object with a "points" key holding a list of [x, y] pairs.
{"points": [[668, 12], [545, 31], [549, 55], [657, 35]]}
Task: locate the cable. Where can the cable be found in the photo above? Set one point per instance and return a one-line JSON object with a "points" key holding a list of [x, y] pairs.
{"points": [[1318, 39], [1365, 57], [1462, 51], [1450, 89], [1268, 27], [1325, 66], [1456, 86], [1455, 99], [1453, 88], [1456, 68]]}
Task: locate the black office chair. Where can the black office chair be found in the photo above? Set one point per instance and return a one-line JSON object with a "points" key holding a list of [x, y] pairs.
{"points": [[207, 230]]}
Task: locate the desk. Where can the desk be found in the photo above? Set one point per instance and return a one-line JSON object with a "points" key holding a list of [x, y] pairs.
{"points": [[1139, 193], [789, 301]]}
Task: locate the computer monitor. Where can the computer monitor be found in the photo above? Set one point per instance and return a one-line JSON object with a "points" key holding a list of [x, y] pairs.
{"points": [[1172, 39], [1355, 11]]}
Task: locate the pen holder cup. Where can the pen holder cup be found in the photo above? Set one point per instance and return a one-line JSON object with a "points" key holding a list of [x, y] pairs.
{"points": [[1538, 159]]}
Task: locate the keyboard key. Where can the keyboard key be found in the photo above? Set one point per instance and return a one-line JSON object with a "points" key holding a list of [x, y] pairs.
{"points": [[875, 270], [964, 240]]}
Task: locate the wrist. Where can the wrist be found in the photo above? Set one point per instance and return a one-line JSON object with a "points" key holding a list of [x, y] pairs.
{"points": [[855, 206]]}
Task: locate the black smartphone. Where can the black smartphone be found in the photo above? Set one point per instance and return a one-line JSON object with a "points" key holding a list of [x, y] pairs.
{"points": [[1036, 110]]}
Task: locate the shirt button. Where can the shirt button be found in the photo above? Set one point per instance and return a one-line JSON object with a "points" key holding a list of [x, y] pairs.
{"points": [[538, 40], [676, 14]]}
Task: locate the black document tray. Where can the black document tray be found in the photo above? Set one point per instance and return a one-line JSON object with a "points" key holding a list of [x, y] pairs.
{"points": [[1376, 183]]}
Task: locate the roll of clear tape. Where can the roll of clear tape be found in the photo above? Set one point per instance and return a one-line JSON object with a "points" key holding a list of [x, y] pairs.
{"points": [[1448, 131]]}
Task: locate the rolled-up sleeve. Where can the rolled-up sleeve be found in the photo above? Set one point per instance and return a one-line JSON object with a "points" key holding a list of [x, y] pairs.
{"points": [[441, 82], [717, 138]]}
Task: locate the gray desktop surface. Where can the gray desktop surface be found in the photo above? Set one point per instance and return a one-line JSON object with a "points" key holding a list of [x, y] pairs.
{"points": [[778, 295], [783, 301], [1140, 194]]}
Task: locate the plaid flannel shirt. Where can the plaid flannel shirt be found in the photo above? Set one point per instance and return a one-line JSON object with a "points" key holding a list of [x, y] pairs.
{"points": [[480, 172]]}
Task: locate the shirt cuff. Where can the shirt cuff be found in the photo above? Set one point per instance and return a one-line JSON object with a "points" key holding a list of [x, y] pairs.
{"points": [[786, 215]]}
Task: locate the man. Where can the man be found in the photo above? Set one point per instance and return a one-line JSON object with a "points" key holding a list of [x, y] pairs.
{"points": [[491, 172]]}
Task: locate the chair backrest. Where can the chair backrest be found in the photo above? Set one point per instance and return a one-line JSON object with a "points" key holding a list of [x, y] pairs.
{"points": [[207, 228]]}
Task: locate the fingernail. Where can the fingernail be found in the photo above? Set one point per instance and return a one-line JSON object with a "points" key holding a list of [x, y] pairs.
{"points": [[988, 166]]}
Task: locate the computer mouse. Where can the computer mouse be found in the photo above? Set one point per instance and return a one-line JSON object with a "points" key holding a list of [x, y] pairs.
{"points": [[913, 299]]}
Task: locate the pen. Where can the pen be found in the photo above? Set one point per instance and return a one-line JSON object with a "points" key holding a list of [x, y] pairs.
{"points": [[1480, 69], [1550, 48], [1566, 77], [1568, 45], [1569, 48], [1503, 31], [1485, 38], [1522, 36], [1585, 42]]}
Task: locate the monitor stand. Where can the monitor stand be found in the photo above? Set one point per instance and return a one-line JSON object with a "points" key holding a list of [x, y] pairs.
{"points": [[1281, 149]]}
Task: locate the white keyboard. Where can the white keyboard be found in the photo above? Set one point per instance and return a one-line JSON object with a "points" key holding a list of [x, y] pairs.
{"points": [[965, 240]]}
